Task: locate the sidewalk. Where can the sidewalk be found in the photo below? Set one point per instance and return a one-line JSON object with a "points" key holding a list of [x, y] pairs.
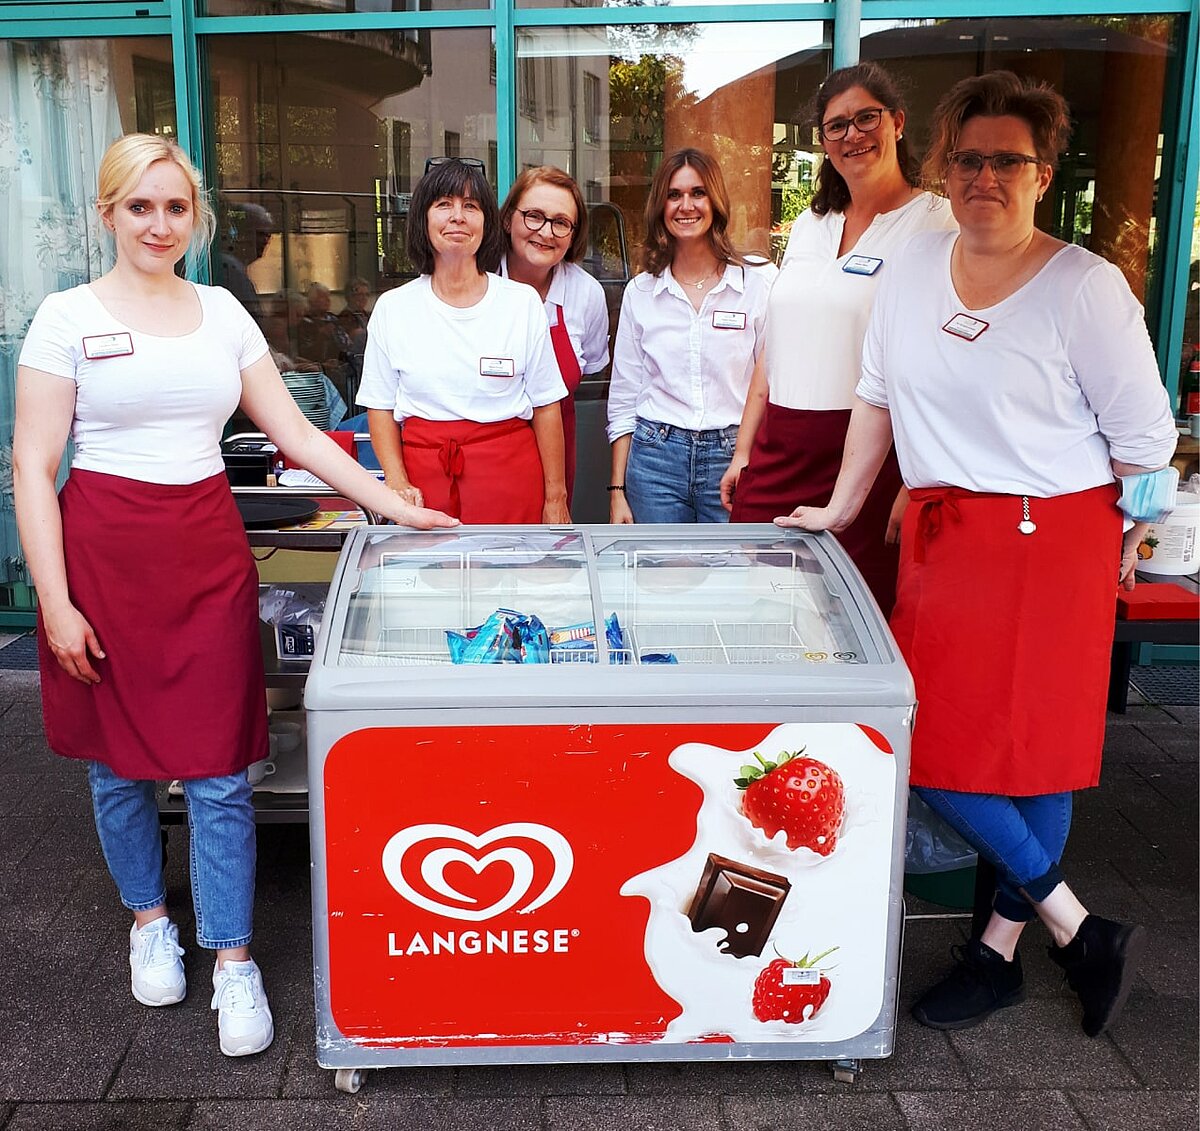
{"points": [[81, 1053]]}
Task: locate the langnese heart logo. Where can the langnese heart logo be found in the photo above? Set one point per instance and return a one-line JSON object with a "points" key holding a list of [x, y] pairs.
{"points": [[431, 849]]}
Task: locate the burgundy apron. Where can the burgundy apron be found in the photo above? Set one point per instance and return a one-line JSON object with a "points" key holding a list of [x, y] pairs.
{"points": [[1008, 637], [483, 474], [164, 575], [568, 367], [794, 462]]}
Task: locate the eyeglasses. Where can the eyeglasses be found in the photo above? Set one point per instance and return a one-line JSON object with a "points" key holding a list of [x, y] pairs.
{"points": [[536, 220], [968, 164], [470, 162], [864, 121]]}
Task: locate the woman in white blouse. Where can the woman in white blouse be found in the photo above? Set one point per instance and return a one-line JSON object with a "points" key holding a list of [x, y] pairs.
{"points": [[690, 332], [1017, 377]]}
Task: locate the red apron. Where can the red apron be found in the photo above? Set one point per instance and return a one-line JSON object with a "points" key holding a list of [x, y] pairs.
{"points": [[1008, 636], [164, 574], [568, 367], [795, 460], [484, 474]]}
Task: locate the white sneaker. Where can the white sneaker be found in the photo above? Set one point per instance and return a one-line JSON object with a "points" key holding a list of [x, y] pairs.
{"points": [[156, 974], [243, 1015]]}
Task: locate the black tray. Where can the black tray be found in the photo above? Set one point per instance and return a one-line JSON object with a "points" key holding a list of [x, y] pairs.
{"points": [[267, 514]]}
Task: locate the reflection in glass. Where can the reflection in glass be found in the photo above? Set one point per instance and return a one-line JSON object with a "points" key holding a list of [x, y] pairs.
{"points": [[1111, 70], [61, 103], [318, 140], [606, 103], [321, 7]]}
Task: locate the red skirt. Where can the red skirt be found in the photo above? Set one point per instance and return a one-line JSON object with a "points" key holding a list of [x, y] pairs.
{"points": [[795, 461], [164, 574], [1008, 637], [484, 474]]}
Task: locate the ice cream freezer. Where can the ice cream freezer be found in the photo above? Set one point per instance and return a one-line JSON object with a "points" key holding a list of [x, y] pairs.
{"points": [[604, 793]]}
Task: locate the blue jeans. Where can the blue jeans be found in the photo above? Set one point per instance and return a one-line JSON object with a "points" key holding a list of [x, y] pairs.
{"points": [[674, 475], [221, 847], [1023, 837]]}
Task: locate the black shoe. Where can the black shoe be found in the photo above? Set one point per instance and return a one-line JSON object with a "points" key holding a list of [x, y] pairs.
{"points": [[981, 982], [1100, 962]]}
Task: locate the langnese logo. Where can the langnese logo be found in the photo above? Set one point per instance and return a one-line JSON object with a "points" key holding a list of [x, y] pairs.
{"points": [[454, 873]]}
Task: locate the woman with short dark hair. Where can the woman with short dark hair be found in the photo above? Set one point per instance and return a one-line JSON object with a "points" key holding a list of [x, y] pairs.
{"points": [[1031, 425], [459, 379]]}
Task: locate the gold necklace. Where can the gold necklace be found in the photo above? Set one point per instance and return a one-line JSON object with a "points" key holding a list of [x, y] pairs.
{"points": [[699, 282]]}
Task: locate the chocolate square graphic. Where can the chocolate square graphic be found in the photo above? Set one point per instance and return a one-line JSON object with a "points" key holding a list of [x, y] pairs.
{"points": [[741, 900]]}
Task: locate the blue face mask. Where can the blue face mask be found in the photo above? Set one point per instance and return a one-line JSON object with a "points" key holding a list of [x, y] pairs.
{"points": [[1150, 495]]}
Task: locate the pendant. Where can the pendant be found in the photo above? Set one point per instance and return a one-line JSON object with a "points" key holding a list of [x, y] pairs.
{"points": [[1026, 527]]}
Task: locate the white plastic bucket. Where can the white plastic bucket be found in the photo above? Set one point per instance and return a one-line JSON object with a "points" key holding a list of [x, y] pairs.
{"points": [[1173, 547]]}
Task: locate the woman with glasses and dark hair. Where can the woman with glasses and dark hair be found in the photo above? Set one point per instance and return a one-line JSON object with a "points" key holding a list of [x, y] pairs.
{"points": [[546, 226], [1018, 380], [459, 380], [691, 329], [793, 431]]}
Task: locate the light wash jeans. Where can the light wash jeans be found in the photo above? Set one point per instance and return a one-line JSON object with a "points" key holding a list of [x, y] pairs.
{"points": [[221, 847], [674, 475], [1023, 837]]}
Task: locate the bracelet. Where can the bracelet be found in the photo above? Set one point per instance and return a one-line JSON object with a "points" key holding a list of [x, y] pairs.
{"points": [[615, 487]]}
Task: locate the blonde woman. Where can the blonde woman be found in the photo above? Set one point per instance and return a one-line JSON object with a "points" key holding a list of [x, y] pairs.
{"points": [[147, 592]]}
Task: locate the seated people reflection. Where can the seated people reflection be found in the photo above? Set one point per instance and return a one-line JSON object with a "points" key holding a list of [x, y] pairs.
{"points": [[353, 321], [459, 376], [245, 232], [322, 338]]}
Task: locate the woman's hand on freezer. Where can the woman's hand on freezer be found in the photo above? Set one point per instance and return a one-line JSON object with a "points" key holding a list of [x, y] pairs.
{"points": [[811, 518], [619, 513], [72, 640], [729, 480], [555, 512], [420, 517]]}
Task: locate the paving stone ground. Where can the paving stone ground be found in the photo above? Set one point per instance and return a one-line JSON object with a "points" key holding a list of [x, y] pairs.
{"points": [[81, 1054]]}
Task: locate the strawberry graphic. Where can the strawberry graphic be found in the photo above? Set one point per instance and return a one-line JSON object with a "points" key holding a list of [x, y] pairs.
{"points": [[781, 994], [802, 796]]}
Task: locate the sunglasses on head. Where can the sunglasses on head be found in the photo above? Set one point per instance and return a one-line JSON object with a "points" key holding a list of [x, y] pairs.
{"points": [[470, 162]]}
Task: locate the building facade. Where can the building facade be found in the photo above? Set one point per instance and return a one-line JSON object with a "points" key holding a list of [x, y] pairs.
{"points": [[311, 120]]}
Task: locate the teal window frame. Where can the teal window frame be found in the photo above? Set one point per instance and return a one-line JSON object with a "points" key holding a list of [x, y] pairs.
{"points": [[25, 19]]}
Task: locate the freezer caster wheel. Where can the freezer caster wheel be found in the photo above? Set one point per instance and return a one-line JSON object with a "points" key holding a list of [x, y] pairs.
{"points": [[349, 1079], [845, 1070]]}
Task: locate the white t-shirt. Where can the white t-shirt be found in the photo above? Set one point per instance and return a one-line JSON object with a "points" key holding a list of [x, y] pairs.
{"points": [[675, 366], [154, 407], [584, 311], [489, 362], [818, 310], [1062, 380]]}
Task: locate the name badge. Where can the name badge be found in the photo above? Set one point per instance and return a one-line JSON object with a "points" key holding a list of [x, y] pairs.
{"points": [[100, 346], [729, 320], [497, 367], [862, 265], [964, 326]]}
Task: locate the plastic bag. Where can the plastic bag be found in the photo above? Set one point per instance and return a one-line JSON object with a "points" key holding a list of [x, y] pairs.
{"points": [[506, 637], [296, 619], [931, 845]]}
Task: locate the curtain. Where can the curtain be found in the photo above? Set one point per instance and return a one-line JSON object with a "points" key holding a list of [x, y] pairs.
{"points": [[58, 113]]}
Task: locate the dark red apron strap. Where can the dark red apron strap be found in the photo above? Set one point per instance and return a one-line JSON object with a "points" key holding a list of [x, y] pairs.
{"points": [[568, 367]]}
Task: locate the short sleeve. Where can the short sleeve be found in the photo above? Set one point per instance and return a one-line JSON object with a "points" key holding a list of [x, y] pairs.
{"points": [[380, 381], [52, 342], [595, 329], [252, 345], [543, 382]]}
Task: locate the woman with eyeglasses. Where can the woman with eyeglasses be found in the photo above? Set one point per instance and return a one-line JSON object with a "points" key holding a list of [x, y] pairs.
{"points": [[459, 379], [793, 431], [546, 226], [1017, 377], [690, 331]]}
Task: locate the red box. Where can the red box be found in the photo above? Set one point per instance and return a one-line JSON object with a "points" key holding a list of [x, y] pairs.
{"points": [[1158, 600]]}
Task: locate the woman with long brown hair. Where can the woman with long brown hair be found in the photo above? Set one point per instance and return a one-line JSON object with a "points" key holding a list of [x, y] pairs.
{"points": [[690, 332]]}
